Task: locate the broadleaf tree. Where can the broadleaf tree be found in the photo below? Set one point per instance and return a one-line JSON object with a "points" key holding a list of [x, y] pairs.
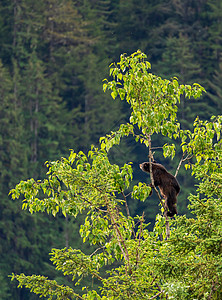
{"points": [[177, 259]]}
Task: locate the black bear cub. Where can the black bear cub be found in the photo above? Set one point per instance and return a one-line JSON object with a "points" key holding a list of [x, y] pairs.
{"points": [[167, 183]]}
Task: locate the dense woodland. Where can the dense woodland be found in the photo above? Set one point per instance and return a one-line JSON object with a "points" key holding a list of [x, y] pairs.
{"points": [[54, 55]]}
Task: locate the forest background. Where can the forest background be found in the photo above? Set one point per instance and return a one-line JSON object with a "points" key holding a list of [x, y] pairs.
{"points": [[54, 55]]}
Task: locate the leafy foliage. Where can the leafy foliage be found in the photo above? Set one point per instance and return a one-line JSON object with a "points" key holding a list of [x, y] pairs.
{"points": [[153, 100], [54, 55], [143, 264]]}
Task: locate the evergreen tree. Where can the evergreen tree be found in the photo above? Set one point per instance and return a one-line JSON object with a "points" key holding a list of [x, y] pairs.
{"points": [[214, 18], [216, 91], [33, 120], [179, 57], [45, 115], [214, 47], [51, 105], [12, 152], [136, 24]]}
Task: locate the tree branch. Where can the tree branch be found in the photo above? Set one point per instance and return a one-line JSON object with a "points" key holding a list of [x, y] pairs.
{"points": [[103, 247], [181, 161], [118, 235], [127, 207], [212, 290], [151, 158], [127, 211], [158, 194], [140, 233], [157, 295]]}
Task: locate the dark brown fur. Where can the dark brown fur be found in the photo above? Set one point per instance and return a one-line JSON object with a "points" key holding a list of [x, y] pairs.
{"points": [[167, 183]]}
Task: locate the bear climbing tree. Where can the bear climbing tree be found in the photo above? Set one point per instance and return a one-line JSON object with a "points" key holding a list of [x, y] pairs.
{"points": [[143, 263], [167, 183]]}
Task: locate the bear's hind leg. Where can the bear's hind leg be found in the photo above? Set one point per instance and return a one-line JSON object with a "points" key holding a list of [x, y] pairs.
{"points": [[171, 204]]}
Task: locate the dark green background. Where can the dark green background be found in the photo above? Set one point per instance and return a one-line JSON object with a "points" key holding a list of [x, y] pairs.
{"points": [[54, 55]]}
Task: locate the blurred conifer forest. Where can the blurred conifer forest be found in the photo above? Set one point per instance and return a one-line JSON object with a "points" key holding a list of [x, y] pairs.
{"points": [[54, 56]]}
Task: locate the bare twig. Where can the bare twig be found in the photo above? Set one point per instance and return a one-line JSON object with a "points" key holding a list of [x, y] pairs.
{"points": [[181, 161], [154, 148], [103, 247], [179, 165], [157, 295], [128, 194]]}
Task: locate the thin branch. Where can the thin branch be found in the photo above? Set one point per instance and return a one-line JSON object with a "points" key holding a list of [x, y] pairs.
{"points": [[212, 290], [179, 165], [140, 233], [103, 247], [97, 208], [128, 212], [120, 241], [181, 161], [154, 278], [157, 295], [201, 203], [128, 194], [127, 207], [118, 235], [153, 148], [78, 296], [141, 222], [167, 223], [97, 276]]}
